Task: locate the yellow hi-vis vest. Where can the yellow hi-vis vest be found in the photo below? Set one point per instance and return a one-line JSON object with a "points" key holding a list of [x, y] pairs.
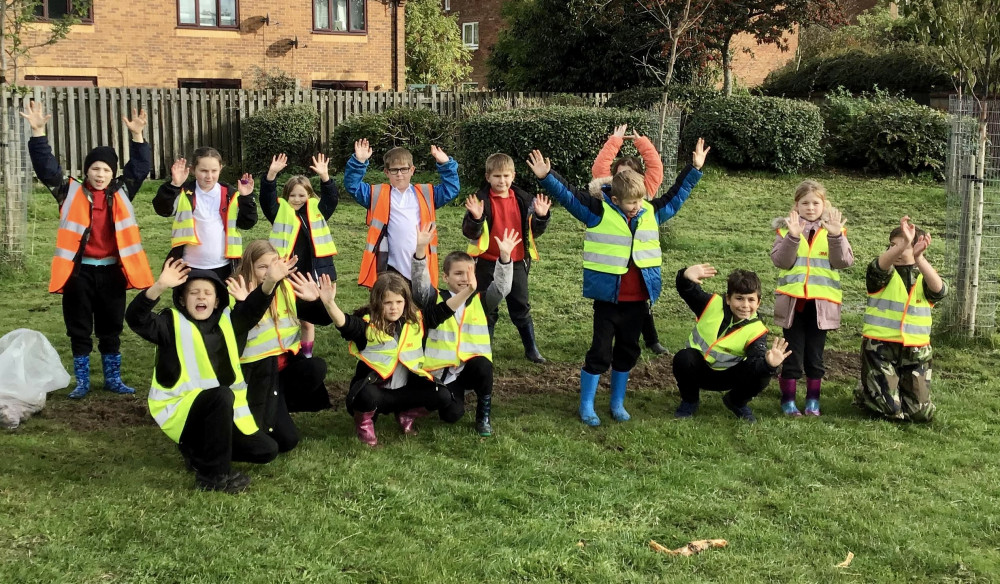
{"points": [[275, 336], [608, 245], [169, 406], [728, 350], [286, 227], [811, 277], [182, 231], [479, 246], [454, 342], [898, 315], [383, 352]]}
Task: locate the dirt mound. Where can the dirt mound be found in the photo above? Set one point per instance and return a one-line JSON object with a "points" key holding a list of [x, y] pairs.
{"points": [[97, 412]]}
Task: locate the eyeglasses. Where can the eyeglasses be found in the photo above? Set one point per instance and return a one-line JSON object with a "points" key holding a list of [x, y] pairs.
{"points": [[397, 171]]}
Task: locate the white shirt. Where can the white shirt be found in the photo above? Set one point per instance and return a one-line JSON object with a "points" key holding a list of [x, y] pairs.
{"points": [[450, 374], [401, 233], [209, 228]]}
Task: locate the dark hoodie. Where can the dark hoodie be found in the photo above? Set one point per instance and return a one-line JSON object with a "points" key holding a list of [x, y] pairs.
{"points": [[159, 328]]}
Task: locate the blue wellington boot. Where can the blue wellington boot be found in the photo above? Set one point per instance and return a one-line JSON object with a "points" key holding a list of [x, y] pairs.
{"points": [[588, 389], [81, 369], [112, 365], [619, 381]]}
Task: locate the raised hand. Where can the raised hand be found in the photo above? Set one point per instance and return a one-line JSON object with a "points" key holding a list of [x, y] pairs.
{"points": [[475, 207], [909, 229], [538, 164], [178, 172], [778, 352], [794, 226], [619, 131], [245, 186], [425, 234], [237, 288], [175, 273], [327, 289], [362, 150], [439, 156], [699, 272], [700, 153], [278, 163], [542, 205], [833, 221], [304, 286], [321, 166], [923, 242], [136, 124], [34, 112], [507, 244], [278, 270]]}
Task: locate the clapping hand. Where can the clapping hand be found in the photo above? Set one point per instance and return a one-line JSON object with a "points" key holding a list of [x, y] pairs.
{"points": [[778, 352], [699, 272], [923, 242]]}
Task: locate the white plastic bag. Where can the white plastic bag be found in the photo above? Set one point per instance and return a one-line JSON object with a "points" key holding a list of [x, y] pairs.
{"points": [[29, 368]]}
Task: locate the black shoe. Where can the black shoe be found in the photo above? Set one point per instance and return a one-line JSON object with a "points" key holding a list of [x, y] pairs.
{"points": [[483, 427], [232, 483], [686, 409], [531, 353], [657, 348], [742, 412]]}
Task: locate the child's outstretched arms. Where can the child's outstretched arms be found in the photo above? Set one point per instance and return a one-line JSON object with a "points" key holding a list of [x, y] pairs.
{"points": [[932, 279], [328, 295], [424, 294], [354, 173], [269, 186], [45, 164], [448, 171], [887, 258], [328, 195], [503, 272], [156, 328], [166, 195], [667, 204], [653, 177], [580, 204], [140, 155], [688, 283], [602, 164]]}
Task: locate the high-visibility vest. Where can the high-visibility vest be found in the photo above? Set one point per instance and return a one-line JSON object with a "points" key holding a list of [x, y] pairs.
{"points": [[274, 336], [170, 405], [608, 246], [479, 246], [728, 350], [383, 352], [811, 277], [182, 231], [898, 315], [286, 227], [74, 221], [454, 342], [378, 220]]}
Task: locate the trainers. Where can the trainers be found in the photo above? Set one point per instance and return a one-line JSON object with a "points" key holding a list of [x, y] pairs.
{"points": [[657, 348], [742, 412], [686, 409], [232, 483]]}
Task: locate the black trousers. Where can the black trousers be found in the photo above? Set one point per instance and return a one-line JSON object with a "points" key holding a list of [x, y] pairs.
{"points": [[806, 342], [418, 393], [649, 333], [477, 375], [616, 336], [94, 303], [693, 374], [303, 383], [212, 440], [518, 305]]}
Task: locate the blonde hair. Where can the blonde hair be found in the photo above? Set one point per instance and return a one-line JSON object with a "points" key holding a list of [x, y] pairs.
{"points": [[499, 162], [628, 185], [811, 187], [390, 282], [296, 181], [398, 156]]}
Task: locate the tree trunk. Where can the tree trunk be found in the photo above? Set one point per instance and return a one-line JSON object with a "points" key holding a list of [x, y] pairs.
{"points": [[977, 222], [7, 189], [727, 68]]}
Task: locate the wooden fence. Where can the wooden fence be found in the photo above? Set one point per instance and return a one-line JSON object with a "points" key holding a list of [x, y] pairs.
{"points": [[182, 119]]}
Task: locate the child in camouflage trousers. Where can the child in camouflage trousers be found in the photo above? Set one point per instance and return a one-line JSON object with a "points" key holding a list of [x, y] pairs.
{"points": [[896, 349]]}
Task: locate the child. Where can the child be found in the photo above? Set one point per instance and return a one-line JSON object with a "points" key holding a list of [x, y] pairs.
{"points": [[208, 235], [395, 208], [299, 225], [99, 252], [651, 168], [727, 349], [896, 349], [458, 351], [271, 366], [198, 395], [808, 297], [500, 206], [621, 267], [388, 344]]}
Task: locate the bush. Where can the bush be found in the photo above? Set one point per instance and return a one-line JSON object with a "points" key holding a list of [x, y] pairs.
{"points": [[885, 134], [414, 129], [688, 97], [567, 99], [290, 129], [758, 132], [570, 136]]}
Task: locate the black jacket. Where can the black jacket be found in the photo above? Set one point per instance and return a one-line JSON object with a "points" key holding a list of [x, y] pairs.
{"points": [[166, 196], [49, 172], [303, 248], [473, 228]]}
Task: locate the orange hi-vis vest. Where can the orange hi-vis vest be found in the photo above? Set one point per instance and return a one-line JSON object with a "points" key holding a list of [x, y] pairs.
{"points": [[74, 223], [378, 220]]}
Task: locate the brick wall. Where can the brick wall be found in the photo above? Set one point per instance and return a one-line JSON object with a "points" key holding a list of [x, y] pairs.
{"points": [[750, 69], [487, 14]]}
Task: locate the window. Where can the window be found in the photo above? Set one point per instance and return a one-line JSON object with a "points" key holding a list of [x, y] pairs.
{"points": [[208, 13], [470, 34], [341, 85], [470, 86], [447, 5], [339, 16], [56, 9], [60, 81], [209, 83]]}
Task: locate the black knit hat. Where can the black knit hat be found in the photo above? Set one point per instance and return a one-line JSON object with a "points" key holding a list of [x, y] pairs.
{"points": [[105, 154]]}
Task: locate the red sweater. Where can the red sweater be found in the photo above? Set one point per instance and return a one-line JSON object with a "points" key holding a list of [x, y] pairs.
{"points": [[102, 243], [506, 215]]}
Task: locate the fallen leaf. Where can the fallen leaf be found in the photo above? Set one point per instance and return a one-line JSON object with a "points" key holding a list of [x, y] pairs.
{"points": [[847, 562], [581, 543], [657, 547], [690, 549]]}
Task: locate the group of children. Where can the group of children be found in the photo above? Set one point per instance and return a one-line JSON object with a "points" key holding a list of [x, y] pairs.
{"points": [[234, 350]]}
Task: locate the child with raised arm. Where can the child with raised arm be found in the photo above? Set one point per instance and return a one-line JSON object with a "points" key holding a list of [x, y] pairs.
{"points": [[395, 208], [621, 267], [808, 297], [458, 351], [208, 215], [99, 253], [299, 223], [727, 350], [896, 349], [500, 206]]}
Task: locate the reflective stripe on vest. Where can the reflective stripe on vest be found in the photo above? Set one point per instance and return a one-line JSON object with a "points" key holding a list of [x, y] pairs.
{"points": [[182, 232], [170, 406], [897, 315], [75, 219], [479, 246], [728, 350], [274, 338], [378, 218], [286, 227], [608, 246], [382, 352], [454, 342], [811, 277]]}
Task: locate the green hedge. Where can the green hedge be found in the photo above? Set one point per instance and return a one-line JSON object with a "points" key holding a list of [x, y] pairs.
{"points": [[415, 129], [289, 129], [689, 97], [570, 136], [765, 133]]}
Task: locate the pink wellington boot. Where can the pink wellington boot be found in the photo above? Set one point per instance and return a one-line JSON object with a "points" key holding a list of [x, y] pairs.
{"points": [[364, 424], [406, 419]]}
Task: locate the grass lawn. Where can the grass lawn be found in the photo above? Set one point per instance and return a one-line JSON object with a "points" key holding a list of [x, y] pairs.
{"points": [[93, 491]]}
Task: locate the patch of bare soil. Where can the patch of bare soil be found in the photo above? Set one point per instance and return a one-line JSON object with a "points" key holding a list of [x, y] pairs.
{"points": [[97, 412]]}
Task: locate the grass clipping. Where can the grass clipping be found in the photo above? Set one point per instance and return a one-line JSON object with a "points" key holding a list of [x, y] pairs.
{"points": [[690, 549]]}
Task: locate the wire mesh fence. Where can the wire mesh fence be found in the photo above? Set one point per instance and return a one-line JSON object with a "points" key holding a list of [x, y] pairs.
{"points": [[15, 189], [665, 121]]}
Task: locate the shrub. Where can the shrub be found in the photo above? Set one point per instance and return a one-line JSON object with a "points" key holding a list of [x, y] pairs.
{"points": [[758, 132], [567, 99], [290, 129], [688, 97], [570, 136], [414, 129]]}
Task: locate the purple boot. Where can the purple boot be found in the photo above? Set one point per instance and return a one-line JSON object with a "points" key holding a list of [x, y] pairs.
{"points": [[812, 396], [364, 424], [787, 387], [408, 417]]}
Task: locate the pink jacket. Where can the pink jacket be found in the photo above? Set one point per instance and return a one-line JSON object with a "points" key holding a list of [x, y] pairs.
{"points": [[650, 158], [783, 255]]}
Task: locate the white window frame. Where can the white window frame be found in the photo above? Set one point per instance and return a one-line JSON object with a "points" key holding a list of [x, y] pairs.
{"points": [[470, 35], [447, 5]]}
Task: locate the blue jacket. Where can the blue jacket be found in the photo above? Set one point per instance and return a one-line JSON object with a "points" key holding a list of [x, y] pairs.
{"points": [[354, 174], [590, 210]]}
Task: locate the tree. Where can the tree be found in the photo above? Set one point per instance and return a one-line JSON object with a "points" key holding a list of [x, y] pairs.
{"points": [[434, 49], [679, 20]]}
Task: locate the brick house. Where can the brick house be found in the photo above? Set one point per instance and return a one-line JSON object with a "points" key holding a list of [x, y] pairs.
{"points": [[332, 44]]}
